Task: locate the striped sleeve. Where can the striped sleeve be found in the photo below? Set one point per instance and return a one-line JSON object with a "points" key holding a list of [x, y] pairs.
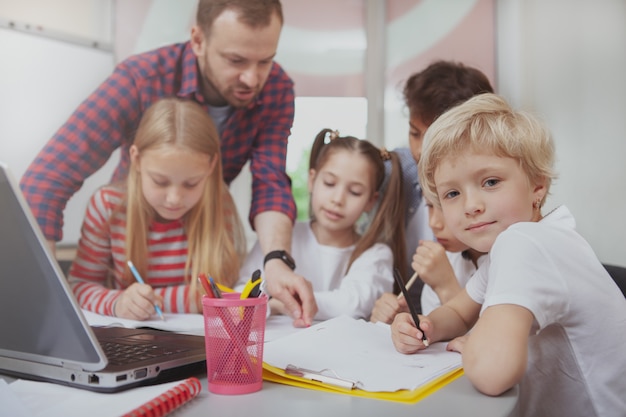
{"points": [[93, 264]]}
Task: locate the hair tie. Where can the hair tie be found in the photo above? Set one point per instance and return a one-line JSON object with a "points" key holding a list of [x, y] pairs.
{"points": [[330, 136], [384, 154]]}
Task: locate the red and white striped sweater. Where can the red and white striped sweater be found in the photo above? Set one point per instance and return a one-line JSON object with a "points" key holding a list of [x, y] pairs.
{"points": [[100, 259]]}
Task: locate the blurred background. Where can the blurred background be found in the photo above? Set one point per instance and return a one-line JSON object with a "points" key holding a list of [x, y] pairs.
{"points": [[562, 60]]}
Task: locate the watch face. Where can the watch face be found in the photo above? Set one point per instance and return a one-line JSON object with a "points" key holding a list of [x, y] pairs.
{"points": [[288, 259]]}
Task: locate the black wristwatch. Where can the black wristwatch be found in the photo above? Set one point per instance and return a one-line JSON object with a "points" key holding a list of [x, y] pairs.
{"points": [[283, 255]]}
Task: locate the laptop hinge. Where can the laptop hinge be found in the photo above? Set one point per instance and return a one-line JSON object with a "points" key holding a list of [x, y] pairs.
{"points": [[72, 366]]}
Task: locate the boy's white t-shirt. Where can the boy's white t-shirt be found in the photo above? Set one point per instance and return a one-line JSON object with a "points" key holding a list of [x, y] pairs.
{"points": [[336, 292], [576, 360], [463, 270]]}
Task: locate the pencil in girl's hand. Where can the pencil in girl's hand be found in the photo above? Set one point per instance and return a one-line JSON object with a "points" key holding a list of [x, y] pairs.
{"points": [[408, 284], [416, 319], [141, 281]]}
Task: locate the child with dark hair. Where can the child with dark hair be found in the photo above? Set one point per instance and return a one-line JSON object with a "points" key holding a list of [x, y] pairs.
{"points": [[348, 271], [427, 95]]}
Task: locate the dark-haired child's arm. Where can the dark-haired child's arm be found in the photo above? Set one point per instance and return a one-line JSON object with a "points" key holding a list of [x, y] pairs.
{"points": [[431, 263], [387, 307], [496, 351]]}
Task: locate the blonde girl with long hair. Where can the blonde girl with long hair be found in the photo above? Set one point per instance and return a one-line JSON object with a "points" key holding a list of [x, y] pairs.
{"points": [[173, 218]]}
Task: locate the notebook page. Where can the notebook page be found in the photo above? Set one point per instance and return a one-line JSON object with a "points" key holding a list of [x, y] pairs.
{"points": [[180, 323]]}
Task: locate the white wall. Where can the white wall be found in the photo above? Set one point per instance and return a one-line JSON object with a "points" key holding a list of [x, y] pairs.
{"points": [[42, 81], [566, 61]]}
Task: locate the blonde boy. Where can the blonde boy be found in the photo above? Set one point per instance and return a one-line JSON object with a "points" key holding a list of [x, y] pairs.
{"points": [[545, 313]]}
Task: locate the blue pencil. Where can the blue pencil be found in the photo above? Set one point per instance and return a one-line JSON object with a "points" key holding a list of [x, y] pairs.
{"points": [[141, 281]]}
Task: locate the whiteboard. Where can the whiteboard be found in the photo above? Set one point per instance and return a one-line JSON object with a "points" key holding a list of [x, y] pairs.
{"points": [[42, 81]]}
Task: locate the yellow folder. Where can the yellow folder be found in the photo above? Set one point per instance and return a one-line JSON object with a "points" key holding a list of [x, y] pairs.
{"points": [[274, 374], [349, 356]]}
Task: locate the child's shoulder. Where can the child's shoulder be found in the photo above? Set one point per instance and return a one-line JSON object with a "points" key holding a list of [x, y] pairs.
{"points": [[558, 223], [111, 191], [302, 230], [110, 195]]}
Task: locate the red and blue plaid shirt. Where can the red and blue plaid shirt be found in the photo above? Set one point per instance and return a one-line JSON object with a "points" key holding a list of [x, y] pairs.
{"points": [[108, 118]]}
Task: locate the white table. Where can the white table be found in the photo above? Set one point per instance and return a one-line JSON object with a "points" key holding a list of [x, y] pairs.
{"points": [[459, 398]]}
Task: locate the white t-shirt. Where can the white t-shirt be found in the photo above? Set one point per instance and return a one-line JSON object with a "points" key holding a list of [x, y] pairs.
{"points": [[336, 292], [576, 358], [463, 270]]}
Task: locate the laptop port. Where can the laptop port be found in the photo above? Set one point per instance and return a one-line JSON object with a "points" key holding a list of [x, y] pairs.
{"points": [[121, 378], [141, 373], [93, 379]]}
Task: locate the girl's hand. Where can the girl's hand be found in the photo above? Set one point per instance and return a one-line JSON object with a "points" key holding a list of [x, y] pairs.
{"points": [[137, 302], [405, 335], [386, 308]]}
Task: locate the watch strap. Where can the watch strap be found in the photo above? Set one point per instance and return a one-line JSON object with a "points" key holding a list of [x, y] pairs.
{"points": [[283, 255]]}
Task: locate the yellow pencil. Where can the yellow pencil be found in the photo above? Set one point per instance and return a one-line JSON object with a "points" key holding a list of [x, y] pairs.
{"points": [[408, 284]]}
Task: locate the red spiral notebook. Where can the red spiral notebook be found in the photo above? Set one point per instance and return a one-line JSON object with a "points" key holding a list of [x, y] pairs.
{"points": [[169, 400], [27, 398]]}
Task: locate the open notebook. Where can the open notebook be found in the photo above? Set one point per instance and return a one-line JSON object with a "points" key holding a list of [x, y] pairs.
{"points": [[44, 334], [355, 357]]}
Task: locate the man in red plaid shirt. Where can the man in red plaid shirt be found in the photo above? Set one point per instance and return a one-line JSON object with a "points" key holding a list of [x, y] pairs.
{"points": [[228, 68]]}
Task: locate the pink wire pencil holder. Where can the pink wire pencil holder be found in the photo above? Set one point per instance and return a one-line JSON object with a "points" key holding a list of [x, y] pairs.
{"points": [[234, 331]]}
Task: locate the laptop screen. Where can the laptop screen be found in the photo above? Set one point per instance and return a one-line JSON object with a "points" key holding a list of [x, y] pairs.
{"points": [[38, 321]]}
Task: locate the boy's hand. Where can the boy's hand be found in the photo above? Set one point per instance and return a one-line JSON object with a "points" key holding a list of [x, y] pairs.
{"points": [[137, 302], [405, 335], [457, 344], [386, 308]]}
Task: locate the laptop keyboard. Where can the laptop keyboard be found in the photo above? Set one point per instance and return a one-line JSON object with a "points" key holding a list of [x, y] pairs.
{"points": [[120, 353]]}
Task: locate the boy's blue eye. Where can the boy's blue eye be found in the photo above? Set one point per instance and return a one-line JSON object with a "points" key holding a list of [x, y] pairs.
{"points": [[451, 194], [491, 182]]}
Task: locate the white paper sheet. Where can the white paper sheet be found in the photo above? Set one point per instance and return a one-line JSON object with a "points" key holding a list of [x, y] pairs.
{"points": [[44, 399], [12, 405], [275, 326]]}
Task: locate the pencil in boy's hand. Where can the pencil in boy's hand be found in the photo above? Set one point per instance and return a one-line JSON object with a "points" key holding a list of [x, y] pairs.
{"points": [[416, 319], [408, 284], [141, 281]]}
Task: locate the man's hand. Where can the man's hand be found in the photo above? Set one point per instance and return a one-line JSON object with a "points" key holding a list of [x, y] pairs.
{"points": [[292, 290], [274, 230]]}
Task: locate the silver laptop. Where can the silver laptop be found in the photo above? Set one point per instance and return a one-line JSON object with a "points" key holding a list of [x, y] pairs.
{"points": [[43, 333]]}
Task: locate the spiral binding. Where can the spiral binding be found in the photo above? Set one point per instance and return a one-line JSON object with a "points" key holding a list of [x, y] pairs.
{"points": [[169, 401]]}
